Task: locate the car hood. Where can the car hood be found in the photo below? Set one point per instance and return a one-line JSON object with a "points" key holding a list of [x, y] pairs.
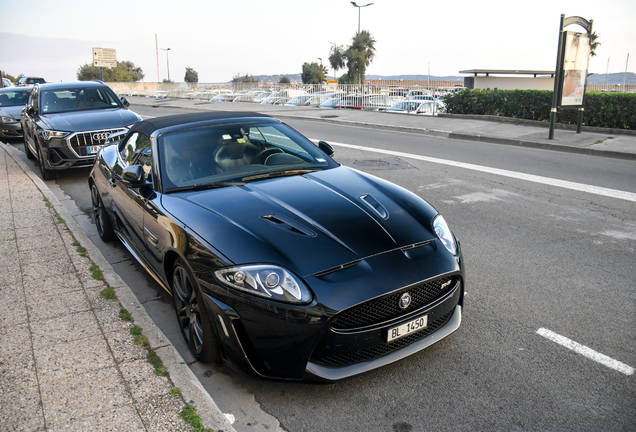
{"points": [[11, 111], [307, 223], [76, 121]]}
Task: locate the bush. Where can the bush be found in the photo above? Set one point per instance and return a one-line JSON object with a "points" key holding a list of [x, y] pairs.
{"points": [[608, 110]]}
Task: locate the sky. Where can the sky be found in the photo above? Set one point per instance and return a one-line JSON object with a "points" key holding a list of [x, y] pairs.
{"points": [[222, 39]]}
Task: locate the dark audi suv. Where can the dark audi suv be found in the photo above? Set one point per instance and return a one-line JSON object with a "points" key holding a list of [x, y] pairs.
{"points": [[65, 124]]}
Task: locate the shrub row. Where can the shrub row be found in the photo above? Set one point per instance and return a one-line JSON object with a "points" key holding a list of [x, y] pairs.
{"points": [[608, 110]]}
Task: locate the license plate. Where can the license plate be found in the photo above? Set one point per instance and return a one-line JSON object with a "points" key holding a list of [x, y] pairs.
{"points": [[93, 149], [407, 328]]}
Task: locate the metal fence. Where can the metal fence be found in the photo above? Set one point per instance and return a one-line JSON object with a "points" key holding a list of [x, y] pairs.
{"points": [[373, 96]]}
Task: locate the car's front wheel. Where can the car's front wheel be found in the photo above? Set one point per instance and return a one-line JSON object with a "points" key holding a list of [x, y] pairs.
{"points": [[102, 221], [191, 315], [27, 150], [46, 173]]}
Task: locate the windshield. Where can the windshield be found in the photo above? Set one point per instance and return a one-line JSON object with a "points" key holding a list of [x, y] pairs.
{"points": [[239, 152], [14, 98], [78, 99]]}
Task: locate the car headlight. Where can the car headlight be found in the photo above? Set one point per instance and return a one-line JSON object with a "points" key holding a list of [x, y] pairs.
{"points": [[444, 233], [265, 280], [49, 134], [8, 120]]}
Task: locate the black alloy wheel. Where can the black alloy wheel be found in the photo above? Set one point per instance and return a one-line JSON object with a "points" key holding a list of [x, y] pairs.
{"points": [[46, 173], [102, 222], [191, 315]]}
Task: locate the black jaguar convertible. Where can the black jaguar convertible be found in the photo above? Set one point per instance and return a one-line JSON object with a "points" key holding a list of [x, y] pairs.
{"points": [[278, 258]]}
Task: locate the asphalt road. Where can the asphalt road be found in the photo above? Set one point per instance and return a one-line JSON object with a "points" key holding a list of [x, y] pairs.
{"points": [[540, 258]]}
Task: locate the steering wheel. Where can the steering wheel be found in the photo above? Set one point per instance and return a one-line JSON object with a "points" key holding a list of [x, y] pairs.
{"points": [[264, 154]]}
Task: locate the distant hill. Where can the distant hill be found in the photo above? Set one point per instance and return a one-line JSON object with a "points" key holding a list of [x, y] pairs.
{"points": [[613, 78], [296, 77]]}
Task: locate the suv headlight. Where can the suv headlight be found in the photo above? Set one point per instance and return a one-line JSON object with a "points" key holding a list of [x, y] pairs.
{"points": [[265, 280], [8, 120], [444, 233], [49, 134]]}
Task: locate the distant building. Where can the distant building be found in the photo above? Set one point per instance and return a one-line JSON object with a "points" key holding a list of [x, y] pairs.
{"points": [[509, 79]]}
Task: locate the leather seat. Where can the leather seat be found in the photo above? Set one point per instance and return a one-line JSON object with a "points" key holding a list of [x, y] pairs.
{"points": [[232, 154]]}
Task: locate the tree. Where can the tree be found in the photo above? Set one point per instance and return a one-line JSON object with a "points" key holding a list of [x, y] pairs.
{"points": [[337, 57], [284, 80], [360, 55], [125, 71], [594, 43], [313, 73], [247, 78], [191, 76]]}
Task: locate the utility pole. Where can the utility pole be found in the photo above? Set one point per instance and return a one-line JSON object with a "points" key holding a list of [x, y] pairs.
{"points": [[157, 45]]}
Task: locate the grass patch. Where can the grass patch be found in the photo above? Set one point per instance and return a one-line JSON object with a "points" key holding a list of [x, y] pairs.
{"points": [[59, 219], [142, 340], [108, 293], [124, 315], [189, 414], [136, 330], [97, 272], [47, 203], [176, 391], [156, 362]]}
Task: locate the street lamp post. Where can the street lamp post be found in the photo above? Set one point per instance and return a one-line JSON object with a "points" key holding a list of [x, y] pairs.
{"points": [[320, 69], [360, 7], [167, 61]]}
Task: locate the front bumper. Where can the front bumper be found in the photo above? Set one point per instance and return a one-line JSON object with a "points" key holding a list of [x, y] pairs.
{"points": [[318, 342], [10, 130]]}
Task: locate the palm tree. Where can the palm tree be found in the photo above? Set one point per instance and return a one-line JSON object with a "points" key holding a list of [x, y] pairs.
{"points": [[594, 43], [337, 58], [360, 55]]}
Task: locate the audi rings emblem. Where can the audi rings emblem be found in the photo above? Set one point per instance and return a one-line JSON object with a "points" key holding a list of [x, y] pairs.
{"points": [[100, 136], [405, 301]]}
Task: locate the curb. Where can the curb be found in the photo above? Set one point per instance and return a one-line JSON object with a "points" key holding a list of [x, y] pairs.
{"points": [[181, 375]]}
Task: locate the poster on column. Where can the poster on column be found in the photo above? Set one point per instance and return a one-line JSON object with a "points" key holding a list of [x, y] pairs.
{"points": [[576, 59]]}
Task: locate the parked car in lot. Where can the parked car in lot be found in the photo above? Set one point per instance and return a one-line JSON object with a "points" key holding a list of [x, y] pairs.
{"points": [[65, 124], [12, 100], [30, 81], [416, 107], [6, 82], [278, 258]]}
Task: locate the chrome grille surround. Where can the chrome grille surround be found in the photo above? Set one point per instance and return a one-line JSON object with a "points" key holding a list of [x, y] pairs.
{"points": [[79, 141]]}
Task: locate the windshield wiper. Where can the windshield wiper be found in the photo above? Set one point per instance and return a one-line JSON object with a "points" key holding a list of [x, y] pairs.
{"points": [[205, 186], [278, 174]]}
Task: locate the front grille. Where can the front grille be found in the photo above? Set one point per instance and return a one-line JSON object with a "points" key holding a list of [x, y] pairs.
{"points": [[382, 349], [81, 140], [386, 308]]}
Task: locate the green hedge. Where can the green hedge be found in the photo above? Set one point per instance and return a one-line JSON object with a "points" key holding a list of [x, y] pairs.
{"points": [[608, 110]]}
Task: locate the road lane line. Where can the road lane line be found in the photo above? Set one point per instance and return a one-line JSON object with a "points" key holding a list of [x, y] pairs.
{"points": [[586, 352], [596, 190]]}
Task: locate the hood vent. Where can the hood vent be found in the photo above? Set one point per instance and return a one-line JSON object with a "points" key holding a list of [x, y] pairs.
{"points": [[375, 206], [288, 225]]}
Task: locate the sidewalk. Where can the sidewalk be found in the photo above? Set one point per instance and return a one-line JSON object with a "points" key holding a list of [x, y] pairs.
{"points": [[68, 360], [591, 141]]}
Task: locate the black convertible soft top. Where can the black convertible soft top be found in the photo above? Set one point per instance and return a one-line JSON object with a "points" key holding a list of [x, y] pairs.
{"points": [[151, 125]]}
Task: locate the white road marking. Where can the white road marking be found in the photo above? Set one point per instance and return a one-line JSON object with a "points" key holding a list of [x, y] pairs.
{"points": [[586, 352], [596, 190]]}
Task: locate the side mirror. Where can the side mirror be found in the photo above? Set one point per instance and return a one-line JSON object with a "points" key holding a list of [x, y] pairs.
{"points": [[134, 174], [325, 147], [125, 102]]}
